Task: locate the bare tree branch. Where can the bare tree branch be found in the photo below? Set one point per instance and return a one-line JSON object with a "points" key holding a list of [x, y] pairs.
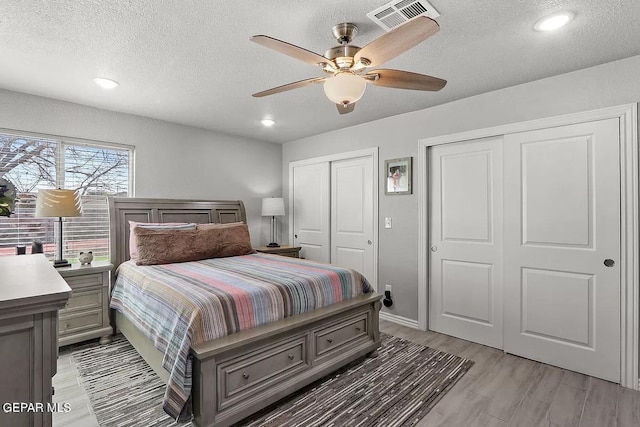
{"points": [[31, 163]]}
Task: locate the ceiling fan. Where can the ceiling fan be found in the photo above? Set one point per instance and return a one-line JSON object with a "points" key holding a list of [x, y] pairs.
{"points": [[346, 65]]}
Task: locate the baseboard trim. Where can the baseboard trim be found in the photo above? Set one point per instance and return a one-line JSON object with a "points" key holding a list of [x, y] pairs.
{"points": [[410, 323]]}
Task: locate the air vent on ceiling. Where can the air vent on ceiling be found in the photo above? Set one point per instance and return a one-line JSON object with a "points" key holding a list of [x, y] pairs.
{"points": [[396, 13]]}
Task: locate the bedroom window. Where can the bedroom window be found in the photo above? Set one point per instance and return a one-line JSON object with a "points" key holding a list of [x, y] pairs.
{"points": [[31, 162]]}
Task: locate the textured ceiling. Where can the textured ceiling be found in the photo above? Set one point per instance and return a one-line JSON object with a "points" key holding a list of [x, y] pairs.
{"points": [[191, 62]]}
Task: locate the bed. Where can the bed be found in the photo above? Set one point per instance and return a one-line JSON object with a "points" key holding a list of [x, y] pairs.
{"points": [[241, 373]]}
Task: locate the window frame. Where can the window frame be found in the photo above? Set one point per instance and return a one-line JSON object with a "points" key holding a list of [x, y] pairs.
{"points": [[61, 145], [62, 141]]}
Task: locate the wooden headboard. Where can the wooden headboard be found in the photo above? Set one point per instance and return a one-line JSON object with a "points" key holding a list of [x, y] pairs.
{"points": [[125, 209]]}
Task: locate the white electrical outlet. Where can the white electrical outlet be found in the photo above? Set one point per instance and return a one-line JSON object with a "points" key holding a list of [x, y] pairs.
{"points": [[387, 288], [387, 222]]}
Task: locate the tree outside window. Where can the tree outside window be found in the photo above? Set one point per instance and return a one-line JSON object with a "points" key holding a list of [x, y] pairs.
{"points": [[34, 163]]}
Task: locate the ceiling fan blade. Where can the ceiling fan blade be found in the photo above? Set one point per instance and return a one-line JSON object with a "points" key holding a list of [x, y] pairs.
{"points": [[397, 41], [290, 50], [289, 86], [346, 108], [405, 80]]}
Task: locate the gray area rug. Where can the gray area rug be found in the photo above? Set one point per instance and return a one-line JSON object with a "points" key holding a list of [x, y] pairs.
{"points": [[397, 388]]}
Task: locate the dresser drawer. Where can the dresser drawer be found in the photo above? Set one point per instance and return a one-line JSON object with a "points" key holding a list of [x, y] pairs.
{"points": [[80, 321], [84, 280], [83, 300], [255, 373], [339, 335]]}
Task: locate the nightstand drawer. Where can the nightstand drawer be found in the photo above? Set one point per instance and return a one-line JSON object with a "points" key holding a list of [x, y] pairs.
{"points": [[289, 254], [81, 321], [85, 280], [83, 300], [285, 250]]}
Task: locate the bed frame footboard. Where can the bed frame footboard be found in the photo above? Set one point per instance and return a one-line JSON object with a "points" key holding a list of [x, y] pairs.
{"points": [[238, 375]]}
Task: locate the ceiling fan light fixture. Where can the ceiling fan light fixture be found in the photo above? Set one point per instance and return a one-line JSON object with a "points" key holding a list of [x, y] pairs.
{"points": [[553, 22], [344, 88], [268, 122]]}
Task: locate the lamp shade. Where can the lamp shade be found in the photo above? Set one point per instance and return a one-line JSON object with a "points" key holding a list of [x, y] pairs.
{"points": [[273, 206], [344, 88], [58, 202]]}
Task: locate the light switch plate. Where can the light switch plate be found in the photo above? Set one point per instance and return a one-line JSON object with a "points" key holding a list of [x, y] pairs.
{"points": [[387, 222]]}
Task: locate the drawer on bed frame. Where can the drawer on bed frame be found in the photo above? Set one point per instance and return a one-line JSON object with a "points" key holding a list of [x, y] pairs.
{"points": [[261, 369], [340, 335]]}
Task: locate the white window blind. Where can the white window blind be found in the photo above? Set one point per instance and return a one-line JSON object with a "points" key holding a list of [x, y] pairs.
{"points": [[95, 170]]}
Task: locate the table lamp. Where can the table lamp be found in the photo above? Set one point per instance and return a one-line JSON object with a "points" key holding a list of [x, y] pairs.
{"points": [[58, 203], [273, 206]]}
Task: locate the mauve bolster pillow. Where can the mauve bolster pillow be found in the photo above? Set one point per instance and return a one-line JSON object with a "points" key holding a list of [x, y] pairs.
{"points": [[171, 246], [133, 243]]}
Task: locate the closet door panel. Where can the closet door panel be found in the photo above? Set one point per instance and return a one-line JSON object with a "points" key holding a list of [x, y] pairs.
{"points": [[562, 224], [311, 211], [466, 240], [352, 209]]}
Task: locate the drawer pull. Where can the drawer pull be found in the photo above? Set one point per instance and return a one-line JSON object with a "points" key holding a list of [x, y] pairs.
{"points": [[329, 340], [290, 356], [358, 328], [245, 376]]}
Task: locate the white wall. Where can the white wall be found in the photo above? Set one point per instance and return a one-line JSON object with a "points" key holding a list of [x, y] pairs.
{"points": [[171, 160], [597, 87]]}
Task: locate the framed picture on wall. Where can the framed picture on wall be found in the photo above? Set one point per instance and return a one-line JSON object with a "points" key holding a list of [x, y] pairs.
{"points": [[398, 175]]}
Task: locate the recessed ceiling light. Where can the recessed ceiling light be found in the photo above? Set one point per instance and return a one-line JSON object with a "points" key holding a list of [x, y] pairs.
{"points": [[554, 21], [106, 83], [268, 122]]}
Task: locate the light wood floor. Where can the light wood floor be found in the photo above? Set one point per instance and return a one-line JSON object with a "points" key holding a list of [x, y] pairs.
{"points": [[69, 390], [500, 390]]}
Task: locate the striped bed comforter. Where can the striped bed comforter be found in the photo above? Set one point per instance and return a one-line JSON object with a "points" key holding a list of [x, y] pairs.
{"points": [[181, 305]]}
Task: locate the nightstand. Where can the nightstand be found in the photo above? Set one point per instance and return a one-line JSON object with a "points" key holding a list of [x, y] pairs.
{"points": [[284, 250], [86, 314]]}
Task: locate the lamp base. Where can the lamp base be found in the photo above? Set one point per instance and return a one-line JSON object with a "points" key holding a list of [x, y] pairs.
{"points": [[61, 263], [273, 245]]}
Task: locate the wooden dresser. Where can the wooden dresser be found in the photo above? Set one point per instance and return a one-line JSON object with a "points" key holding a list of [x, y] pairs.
{"points": [[31, 293]]}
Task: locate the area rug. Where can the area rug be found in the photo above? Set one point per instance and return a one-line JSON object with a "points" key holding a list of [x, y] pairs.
{"points": [[397, 388]]}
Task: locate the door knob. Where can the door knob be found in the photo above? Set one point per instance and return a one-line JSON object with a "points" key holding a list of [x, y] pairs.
{"points": [[295, 236], [434, 248], [369, 242], [609, 262]]}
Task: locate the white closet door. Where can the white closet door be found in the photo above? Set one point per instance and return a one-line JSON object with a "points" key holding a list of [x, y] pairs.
{"points": [[466, 240], [562, 221], [311, 211], [352, 208]]}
